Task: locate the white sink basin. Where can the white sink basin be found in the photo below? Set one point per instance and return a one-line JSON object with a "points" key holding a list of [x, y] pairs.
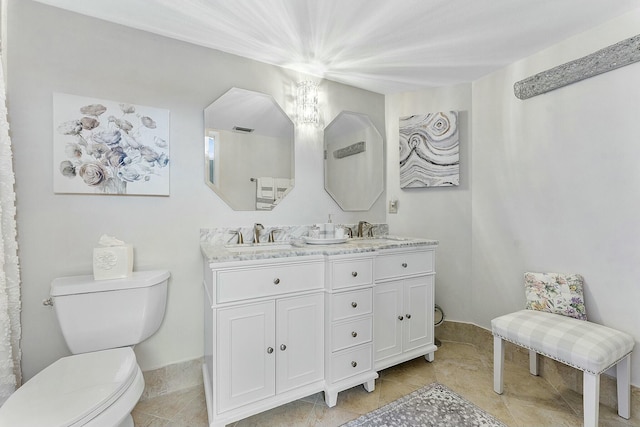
{"points": [[259, 247]]}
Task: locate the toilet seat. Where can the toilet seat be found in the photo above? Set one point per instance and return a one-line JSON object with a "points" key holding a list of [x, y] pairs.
{"points": [[73, 390]]}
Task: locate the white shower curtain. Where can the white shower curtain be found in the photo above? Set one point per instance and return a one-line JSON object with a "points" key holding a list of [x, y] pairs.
{"points": [[10, 330]]}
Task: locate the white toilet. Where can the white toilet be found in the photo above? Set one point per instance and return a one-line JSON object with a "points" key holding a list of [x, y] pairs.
{"points": [[101, 383]]}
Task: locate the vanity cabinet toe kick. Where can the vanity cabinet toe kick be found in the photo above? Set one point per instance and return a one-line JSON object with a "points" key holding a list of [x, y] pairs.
{"points": [[277, 330]]}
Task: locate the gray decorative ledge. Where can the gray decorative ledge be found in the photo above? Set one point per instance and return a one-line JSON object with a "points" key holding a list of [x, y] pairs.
{"points": [[611, 57]]}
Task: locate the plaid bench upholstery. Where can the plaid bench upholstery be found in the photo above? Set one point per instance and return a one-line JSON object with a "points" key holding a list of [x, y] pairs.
{"points": [[587, 346], [584, 345]]}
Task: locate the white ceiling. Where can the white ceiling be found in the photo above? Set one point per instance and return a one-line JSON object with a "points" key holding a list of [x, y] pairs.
{"points": [[385, 46]]}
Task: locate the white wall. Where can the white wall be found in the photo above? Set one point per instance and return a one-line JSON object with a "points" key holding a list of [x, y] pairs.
{"points": [[441, 213], [556, 184], [51, 50]]}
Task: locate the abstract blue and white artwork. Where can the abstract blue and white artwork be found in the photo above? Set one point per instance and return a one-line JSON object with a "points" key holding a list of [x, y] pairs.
{"points": [[429, 150]]}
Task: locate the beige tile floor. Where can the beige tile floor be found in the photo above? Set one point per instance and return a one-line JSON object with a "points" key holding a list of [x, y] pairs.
{"points": [[527, 400]]}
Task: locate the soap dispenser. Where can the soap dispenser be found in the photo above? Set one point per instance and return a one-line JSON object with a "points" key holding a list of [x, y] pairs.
{"points": [[329, 229]]}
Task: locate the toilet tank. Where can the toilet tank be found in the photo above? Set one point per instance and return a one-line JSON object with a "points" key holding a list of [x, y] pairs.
{"points": [[102, 314]]}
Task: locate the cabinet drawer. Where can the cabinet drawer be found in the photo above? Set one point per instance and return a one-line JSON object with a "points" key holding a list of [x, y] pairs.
{"points": [[352, 272], [351, 362], [350, 304], [404, 264], [254, 282], [352, 333]]}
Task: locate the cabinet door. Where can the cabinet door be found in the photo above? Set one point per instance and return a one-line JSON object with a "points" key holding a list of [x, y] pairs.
{"points": [[300, 341], [387, 327], [417, 312], [245, 354]]}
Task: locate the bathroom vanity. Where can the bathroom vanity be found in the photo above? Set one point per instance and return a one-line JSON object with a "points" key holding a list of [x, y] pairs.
{"points": [[286, 321]]}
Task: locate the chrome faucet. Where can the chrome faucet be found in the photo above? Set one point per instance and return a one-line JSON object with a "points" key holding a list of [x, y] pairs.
{"points": [[361, 226], [256, 232]]}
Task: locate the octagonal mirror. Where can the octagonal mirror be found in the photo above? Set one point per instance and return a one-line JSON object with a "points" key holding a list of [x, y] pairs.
{"points": [[353, 161], [248, 150]]}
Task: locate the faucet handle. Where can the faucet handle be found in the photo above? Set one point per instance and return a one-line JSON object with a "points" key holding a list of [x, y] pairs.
{"points": [[239, 234], [271, 234], [349, 231]]}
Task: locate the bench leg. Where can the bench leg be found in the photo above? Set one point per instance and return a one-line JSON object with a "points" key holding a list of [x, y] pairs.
{"points": [[498, 362], [623, 372], [591, 399], [533, 362]]}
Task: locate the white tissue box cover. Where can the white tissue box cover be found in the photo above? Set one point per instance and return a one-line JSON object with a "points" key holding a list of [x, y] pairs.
{"points": [[112, 262]]}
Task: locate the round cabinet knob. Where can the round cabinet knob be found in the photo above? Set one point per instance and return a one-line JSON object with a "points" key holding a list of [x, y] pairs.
{"points": [[270, 350], [354, 304], [404, 264], [354, 334], [400, 318], [354, 273], [408, 316], [354, 363], [276, 281], [283, 347]]}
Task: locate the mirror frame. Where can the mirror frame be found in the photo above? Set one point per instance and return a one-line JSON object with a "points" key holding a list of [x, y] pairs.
{"points": [[348, 122], [241, 111]]}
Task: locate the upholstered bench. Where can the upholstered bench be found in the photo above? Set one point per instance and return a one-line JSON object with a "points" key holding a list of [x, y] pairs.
{"points": [[587, 346]]}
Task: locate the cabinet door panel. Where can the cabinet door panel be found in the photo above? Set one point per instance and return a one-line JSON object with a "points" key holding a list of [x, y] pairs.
{"points": [[245, 368], [418, 312], [387, 327], [300, 341]]}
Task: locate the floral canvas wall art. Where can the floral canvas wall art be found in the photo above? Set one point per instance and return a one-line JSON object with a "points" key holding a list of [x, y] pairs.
{"points": [[107, 147], [429, 150]]}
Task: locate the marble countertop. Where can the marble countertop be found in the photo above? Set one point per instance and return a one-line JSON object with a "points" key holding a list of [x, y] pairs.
{"points": [[216, 253]]}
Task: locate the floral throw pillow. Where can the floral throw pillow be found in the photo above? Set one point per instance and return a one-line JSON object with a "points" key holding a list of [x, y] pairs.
{"points": [[555, 293]]}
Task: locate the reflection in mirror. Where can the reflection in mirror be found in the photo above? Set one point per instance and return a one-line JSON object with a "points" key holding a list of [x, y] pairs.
{"points": [[353, 161], [248, 150]]}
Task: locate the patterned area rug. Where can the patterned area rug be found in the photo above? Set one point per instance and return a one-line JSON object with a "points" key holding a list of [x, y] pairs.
{"points": [[433, 405]]}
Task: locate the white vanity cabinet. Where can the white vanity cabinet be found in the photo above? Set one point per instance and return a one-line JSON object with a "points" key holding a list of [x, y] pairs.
{"points": [[264, 335], [403, 305], [283, 325], [349, 324]]}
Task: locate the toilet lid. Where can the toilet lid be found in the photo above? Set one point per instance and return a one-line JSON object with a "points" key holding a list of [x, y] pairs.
{"points": [[71, 391], [87, 284]]}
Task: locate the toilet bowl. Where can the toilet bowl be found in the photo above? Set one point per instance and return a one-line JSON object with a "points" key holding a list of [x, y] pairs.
{"points": [[101, 383], [90, 389]]}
